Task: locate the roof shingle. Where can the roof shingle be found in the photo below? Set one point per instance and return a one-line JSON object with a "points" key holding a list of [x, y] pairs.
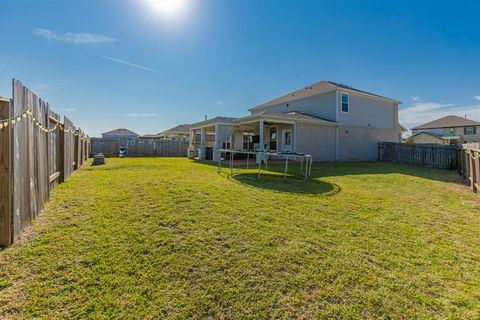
{"points": [[120, 132], [448, 122], [182, 128]]}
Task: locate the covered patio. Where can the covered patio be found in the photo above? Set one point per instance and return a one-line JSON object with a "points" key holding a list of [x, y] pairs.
{"points": [[263, 132]]}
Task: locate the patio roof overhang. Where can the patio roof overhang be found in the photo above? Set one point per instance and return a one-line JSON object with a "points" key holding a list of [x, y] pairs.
{"points": [[288, 118], [212, 122], [266, 117]]}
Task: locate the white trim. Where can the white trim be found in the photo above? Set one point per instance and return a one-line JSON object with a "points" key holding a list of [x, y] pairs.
{"points": [[341, 102], [354, 92], [212, 125], [267, 118]]}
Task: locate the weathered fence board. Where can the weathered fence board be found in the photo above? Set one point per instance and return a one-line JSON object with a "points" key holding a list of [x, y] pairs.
{"points": [[432, 156], [470, 165], [5, 175], [140, 147], [68, 143], [35, 155]]}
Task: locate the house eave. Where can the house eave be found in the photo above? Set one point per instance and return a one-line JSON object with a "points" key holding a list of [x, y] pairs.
{"points": [[336, 89]]}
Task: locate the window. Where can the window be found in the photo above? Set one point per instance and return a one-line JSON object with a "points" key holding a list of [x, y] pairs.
{"points": [[288, 138], [345, 102], [470, 130], [273, 138], [248, 140], [451, 131], [226, 145]]}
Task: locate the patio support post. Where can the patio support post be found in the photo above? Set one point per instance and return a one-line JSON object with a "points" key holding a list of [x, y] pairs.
{"points": [[203, 143], [218, 146], [261, 133], [191, 144]]}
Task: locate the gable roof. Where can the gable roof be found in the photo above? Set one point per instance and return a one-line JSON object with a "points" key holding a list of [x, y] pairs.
{"points": [[180, 129], [448, 122], [120, 132], [316, 89], [212, 121], [429, 134], [343, 86]]}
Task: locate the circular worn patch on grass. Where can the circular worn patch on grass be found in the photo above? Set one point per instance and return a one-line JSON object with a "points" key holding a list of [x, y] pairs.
{"points": [[293, 184]]}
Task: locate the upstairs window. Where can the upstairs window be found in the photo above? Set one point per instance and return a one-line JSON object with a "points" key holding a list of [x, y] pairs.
{"points": [[470, 130], [345, 102]]}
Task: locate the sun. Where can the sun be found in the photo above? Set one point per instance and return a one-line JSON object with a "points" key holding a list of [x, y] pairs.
{"points": [[168, 8]]}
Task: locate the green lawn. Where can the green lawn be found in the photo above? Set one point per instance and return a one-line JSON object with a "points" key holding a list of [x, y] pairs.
{"points": [[171, 238]]}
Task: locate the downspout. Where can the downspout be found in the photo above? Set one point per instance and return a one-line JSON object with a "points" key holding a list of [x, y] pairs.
{"points": [[294, 140]]}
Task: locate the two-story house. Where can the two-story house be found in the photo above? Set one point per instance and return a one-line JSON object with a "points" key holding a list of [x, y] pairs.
{"points": [[328, 120], [447, 130], [122, 135]]}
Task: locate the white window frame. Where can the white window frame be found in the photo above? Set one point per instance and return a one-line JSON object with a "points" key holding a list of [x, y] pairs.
{"points": [[466, 130], [341, 102], [284, 145]]}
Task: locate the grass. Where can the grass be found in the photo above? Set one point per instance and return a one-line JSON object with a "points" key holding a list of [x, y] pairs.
{"points": [[171, 238]]}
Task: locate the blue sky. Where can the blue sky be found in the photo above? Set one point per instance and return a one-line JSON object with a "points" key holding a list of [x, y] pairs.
{"points": [[126, 63]]}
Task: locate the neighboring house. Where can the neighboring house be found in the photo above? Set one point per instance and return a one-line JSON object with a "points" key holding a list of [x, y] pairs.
{"points": [[121, 133], [328, 120], [447, 130], [180, 132], [426, 138]]}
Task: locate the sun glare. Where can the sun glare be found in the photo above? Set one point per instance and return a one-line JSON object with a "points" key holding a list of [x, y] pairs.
{"points": [[168, 8]]}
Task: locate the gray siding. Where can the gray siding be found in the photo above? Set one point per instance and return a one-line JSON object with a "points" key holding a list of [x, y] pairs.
{"points": [[369, 113], [317, 140], [362, 143], [322, 106]]}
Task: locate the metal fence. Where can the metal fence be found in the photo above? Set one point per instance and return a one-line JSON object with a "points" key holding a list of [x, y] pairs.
{"points": [[431, 156], [110, 147], [37, 151]]}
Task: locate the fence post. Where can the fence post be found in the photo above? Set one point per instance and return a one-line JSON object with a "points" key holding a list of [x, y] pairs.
{"points": [[5, 177], [473, 173], [61, 154]]}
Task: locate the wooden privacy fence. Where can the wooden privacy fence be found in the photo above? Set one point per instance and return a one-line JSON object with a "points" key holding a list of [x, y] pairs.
{"points": [[431, 156], [469, 165], [37, 151], [140, 147]]}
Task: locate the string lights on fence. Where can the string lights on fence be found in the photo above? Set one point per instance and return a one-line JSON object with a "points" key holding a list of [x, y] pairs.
{"points": [[13, 121]]}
